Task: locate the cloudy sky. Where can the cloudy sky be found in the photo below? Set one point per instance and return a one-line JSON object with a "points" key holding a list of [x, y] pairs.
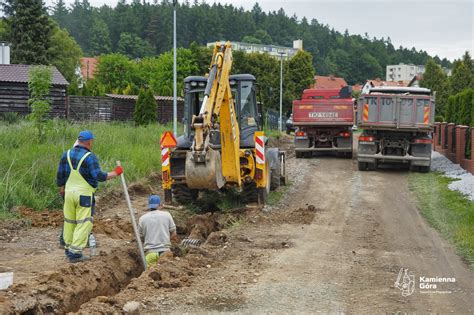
{"points": [[441, 27]]}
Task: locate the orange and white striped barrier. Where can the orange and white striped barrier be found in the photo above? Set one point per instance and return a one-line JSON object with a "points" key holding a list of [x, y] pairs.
{"points": [[365, 112], [426, 115]]}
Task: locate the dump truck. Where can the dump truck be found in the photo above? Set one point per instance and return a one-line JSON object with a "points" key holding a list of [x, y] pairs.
{"points": [[223, 145], [323, 119], [397, 124]]}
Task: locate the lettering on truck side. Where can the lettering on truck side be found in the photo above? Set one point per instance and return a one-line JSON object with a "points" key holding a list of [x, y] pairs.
{"points": [[323, 115]]}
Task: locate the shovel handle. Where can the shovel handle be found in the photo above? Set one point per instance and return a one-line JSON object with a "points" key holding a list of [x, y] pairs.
{"points": [[132, 216]]}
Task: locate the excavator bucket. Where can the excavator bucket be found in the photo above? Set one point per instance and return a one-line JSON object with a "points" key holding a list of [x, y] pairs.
{"points": [[205, 174]]}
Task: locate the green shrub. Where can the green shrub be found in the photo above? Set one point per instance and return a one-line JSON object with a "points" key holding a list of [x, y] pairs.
{"points": [[439, 118], [145, 109], [39, 85]]}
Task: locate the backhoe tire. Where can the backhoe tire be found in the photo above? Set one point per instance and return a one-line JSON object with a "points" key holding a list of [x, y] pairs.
{"points": [[262, 196], [183, 194], [249, 193], [275, 176]]}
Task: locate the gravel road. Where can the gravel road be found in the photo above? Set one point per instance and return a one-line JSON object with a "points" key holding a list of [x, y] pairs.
{"points": [[348, 259]]}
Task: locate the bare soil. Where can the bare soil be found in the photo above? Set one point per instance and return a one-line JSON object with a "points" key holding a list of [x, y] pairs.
{"points": [[334, 243]]}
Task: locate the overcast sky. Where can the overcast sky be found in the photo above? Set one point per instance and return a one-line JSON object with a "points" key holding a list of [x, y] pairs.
{"points": [[441, 27]]}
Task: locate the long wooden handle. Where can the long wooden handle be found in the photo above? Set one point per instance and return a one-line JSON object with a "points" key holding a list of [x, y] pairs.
{"points": [[132, 216]]}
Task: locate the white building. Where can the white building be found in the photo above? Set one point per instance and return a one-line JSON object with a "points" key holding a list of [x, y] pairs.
{"points": [[4, 53], [272, 50], [403, 72]]}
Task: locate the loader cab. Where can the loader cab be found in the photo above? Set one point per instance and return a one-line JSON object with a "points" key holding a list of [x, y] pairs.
{"points": [[244, 94]]}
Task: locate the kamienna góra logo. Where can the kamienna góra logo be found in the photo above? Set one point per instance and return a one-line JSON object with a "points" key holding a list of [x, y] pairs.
{"points": [[407, 282]]}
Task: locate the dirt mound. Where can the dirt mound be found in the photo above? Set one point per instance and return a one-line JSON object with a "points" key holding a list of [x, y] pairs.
{"points": [[66, 289], [200, 227], [116, 228], [169, 273], [42, 218], [10, 229], [217, 238], [300, 215]]}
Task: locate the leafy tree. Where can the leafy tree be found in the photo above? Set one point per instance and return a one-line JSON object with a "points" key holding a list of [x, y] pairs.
{"points": [[435, 79], [30, 31], [39, 85], [145, 108], [60, 13], [301, 73], [461, 77], [115, 71], [100, 39], [251, 39], [133, 46], [160, 71], [263, 37], [64, 52]]}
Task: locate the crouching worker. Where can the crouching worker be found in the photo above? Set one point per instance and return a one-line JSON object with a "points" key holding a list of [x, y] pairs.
{"points": [[78, 176], [157, 229]]}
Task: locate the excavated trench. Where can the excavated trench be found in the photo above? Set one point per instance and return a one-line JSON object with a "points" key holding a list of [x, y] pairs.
{"points": [[74, 285], [66, 289]]}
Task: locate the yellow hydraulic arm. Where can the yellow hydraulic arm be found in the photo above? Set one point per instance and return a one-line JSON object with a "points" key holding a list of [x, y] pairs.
{"points": [[206, 167]]}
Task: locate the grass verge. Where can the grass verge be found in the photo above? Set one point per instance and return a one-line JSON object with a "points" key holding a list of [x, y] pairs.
{"points": [[28, 166], [447, 211]]}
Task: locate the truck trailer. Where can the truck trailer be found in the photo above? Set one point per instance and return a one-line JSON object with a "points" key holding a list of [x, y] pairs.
{"points": [[323, 119], [397, 124]]}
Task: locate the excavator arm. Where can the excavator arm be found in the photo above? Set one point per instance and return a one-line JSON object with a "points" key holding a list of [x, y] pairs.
{"points": [[207, 167]]}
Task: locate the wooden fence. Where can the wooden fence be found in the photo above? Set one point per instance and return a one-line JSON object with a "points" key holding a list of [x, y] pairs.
{"points": [[117, 108], [456, 143]]}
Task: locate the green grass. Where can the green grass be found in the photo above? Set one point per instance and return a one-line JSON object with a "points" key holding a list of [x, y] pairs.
{"points": [[447, 211], [28, 167]]}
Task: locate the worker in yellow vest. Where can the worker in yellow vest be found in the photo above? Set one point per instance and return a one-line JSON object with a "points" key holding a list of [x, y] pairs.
{"points": [[78, 176]]}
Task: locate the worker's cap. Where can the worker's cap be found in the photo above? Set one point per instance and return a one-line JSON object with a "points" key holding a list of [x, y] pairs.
{"points": [[85, 135], [154, 201]]}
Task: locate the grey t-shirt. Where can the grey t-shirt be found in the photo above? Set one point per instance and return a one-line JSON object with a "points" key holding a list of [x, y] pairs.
{"points": [[155, 228]]}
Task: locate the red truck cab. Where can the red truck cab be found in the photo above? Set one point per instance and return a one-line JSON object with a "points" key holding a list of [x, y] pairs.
{"points": [[323, 119]]}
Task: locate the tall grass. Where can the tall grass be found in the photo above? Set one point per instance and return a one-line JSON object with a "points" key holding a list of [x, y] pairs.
{"points": [[28, 166]]}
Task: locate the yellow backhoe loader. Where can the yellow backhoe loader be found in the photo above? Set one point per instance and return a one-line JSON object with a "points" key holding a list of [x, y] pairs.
{"points": [[223, 144]]}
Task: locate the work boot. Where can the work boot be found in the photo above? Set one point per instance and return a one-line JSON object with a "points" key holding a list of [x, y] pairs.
{"points": [[81, 258], [74, 258]]}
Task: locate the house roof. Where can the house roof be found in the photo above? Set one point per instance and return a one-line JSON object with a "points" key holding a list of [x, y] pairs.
{"points": [[20, 74], [88, 66], [330, 82], [379, 82], [135, 97]]}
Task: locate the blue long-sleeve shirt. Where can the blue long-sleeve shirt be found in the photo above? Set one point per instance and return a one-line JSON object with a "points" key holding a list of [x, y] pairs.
{"points": [[90, 168]]}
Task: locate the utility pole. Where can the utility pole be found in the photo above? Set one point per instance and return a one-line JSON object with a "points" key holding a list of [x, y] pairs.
{"points": [[175, 75], [281, 90]]}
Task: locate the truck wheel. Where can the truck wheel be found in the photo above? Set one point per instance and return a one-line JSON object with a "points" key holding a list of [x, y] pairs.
{"points": [[424, 169], [184, 195], [372, 166], [362, 166], [275, 175]]}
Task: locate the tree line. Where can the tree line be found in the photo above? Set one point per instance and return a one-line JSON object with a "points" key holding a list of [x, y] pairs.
{"points": [[451, 91], [140, 29]]}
